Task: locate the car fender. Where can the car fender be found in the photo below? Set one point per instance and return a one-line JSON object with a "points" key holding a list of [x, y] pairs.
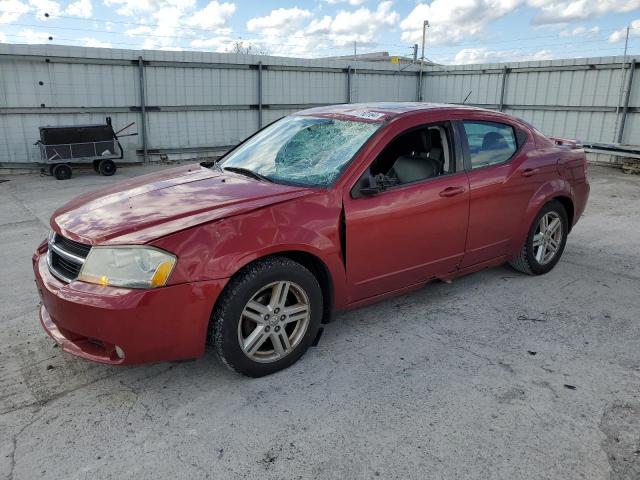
{"points": [[557, 187], [220, 249]]}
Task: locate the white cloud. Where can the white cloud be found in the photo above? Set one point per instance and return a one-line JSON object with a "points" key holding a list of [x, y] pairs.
{"points": [[355, 3], [295, 32], [214, 43], [11, 10], [560, 11], [129, 8], [281, 32], [33, 37], [93, 42], [484, 55], [279, 20], [362, 25], [3, 37], [80, 8], [171, 21], [580, 32], [214, 15], [45, 6], [454, 20], [620, 35]]}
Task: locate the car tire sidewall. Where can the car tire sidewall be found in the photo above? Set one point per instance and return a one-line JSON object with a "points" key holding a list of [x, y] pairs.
{"points": [[230, 317], [107, 168], [62, 172], [536, 267]]}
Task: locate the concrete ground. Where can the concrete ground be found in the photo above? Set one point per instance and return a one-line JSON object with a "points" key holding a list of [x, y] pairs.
{"points": [[496, 376]]}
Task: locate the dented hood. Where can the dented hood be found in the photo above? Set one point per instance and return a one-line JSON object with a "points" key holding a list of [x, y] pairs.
{"points": [[150, 206]]}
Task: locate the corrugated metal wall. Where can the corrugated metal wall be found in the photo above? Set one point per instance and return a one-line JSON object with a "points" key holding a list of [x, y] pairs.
{"points": [[195, 102], [198, 102], [575, 98]]}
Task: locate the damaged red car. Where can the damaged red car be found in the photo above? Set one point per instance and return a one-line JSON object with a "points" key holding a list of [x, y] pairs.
{"points": [[324, 210]]}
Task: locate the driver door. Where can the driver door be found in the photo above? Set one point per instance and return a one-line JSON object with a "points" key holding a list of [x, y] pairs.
{"points": [[410, 232]]}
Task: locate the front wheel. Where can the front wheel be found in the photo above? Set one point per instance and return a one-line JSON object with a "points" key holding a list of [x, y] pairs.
{"points": [[545, 242], [267, 317]]}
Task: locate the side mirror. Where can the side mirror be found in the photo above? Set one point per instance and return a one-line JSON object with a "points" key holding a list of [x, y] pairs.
{"points": [[368, 185], [373, 185]]}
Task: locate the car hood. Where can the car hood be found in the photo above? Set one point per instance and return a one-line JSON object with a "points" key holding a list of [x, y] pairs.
{"points": [[150, 206]]}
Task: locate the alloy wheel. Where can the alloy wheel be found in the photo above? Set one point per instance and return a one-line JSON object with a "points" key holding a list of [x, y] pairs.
{"points": [[274, 321], [547, 238]]}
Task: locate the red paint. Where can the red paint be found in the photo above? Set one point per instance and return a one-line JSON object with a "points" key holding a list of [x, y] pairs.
{"points": [[216, 223]]}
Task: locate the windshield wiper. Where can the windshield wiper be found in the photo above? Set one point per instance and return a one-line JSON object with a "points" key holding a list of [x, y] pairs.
{"points": [[248, 173]]}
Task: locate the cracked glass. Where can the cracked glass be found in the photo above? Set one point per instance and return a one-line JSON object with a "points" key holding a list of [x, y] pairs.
{"points": [[302, 150]]}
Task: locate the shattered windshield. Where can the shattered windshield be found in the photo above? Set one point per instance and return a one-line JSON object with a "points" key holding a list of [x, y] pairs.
{"points": [[303, 150]]}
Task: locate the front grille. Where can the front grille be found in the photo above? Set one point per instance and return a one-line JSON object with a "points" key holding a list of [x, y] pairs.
{"points": [[65, 257], [76, 248]]}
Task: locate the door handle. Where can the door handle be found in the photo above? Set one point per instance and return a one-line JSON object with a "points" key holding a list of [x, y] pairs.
{"points": [[529, 172], [451, 191]]}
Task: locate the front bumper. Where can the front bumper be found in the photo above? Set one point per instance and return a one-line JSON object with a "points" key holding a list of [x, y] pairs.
{"points": [[168, 323]]}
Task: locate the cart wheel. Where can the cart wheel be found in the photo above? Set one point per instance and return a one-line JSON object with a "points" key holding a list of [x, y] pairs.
{"points": [[107, 167], [62, 171], [96, 166]]}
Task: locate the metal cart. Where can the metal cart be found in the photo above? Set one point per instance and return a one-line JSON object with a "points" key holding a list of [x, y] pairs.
{"points": [[64, 146]]}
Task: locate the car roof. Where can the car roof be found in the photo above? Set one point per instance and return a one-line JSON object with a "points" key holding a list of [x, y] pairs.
{"points": [[381, 111]]}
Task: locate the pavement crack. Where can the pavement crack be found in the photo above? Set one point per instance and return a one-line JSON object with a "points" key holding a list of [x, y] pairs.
{"points": [[56, 396], [14, 448]]}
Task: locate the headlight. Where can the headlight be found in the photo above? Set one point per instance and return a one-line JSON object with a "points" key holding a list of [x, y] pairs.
{"points": [[129, 267]]}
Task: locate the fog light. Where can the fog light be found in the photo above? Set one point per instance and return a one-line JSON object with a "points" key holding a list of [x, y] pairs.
{"points": [[119, 352]]}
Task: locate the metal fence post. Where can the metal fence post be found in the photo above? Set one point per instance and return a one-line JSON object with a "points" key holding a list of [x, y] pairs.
{"points": [[349, 84], [505, 71], [627, 94], [259, 95], [143, 108]]}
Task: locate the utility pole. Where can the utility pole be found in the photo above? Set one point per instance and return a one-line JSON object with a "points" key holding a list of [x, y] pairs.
{"points": [[415, 52], [425, 25], [622, 79]]}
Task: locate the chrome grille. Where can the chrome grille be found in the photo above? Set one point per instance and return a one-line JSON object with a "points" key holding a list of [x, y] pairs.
{"points": [[65, 257]]}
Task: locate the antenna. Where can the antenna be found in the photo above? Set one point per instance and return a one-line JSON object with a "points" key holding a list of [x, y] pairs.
{"points": [[468, 95]]}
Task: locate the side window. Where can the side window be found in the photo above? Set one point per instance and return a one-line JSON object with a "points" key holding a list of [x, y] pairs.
{"points": [[418, 154], [490, 143]]}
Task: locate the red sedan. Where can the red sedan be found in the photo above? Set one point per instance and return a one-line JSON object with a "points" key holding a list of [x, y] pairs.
{"points": [[321, 211]]}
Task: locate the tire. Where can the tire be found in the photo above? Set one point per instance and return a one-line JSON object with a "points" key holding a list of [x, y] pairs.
{"points": [[230, 325], [531, 260], [62, 171], [107, 167]]}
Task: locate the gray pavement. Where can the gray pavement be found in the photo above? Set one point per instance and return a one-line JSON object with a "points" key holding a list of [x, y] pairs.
{"points": [[495, 376]]}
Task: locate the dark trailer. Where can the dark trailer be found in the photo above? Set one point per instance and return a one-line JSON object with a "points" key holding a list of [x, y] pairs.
{"points": [[61, 146]]}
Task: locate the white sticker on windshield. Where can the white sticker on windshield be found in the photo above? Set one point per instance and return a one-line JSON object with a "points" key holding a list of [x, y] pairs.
{"points": [[366, 114]]}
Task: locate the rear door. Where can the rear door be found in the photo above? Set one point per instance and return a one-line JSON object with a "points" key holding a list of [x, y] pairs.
{"points": [[504, 172], [413, 231]]}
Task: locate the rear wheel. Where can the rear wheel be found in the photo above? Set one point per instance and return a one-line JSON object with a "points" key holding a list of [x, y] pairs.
{"points": [[107, 167], [545, 242], [267, 317], [62, 171]]}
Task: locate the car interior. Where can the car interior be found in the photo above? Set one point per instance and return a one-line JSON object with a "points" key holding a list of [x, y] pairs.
{"points": [[416, 155]]}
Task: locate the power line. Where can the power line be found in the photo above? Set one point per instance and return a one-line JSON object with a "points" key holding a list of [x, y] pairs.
{"points": [[246, 32], [272, 43]]}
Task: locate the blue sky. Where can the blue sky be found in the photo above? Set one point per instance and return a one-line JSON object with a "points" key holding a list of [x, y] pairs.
{"points": [[461, 31]]}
